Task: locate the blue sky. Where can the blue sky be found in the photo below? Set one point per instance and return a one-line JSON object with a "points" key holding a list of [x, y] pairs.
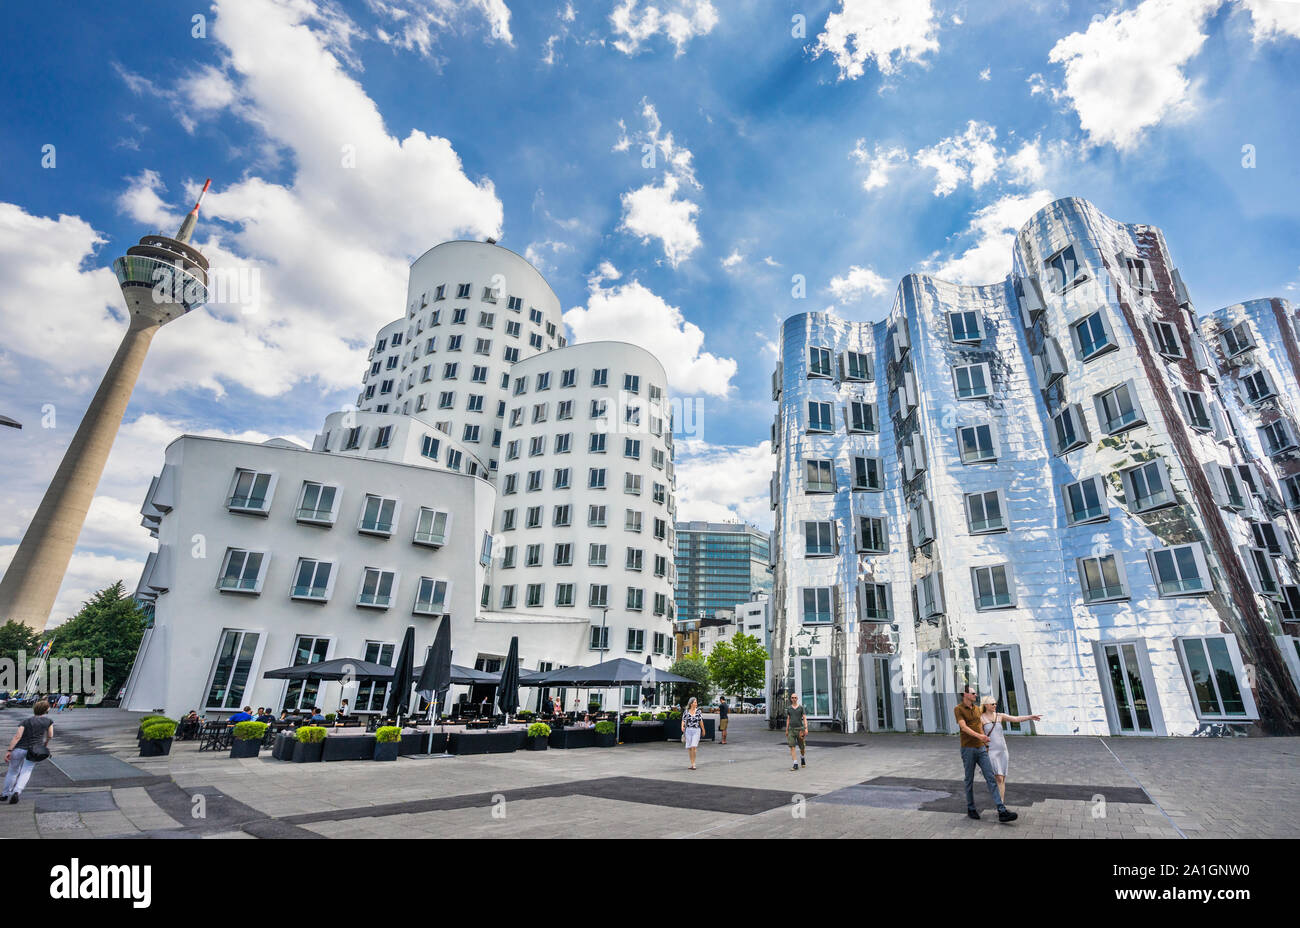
{"points": [[847, 141]]}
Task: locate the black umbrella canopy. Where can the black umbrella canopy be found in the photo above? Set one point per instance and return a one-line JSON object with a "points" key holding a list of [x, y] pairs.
{"points": [[617, 672], [468, 676], [403, 676], [435, 675], [508, 688], [340, 668]]}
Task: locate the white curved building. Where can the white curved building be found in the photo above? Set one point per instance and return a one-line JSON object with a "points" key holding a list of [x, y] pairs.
{"points": [[1069, 516], [491, 478], [586, 508], [473, 310]]}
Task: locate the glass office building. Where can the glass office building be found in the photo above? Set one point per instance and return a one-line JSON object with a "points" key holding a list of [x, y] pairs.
{"points": [[718, 565]]}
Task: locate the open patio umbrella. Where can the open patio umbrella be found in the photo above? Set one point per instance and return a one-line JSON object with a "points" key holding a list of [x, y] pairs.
{"points": [[508, 688], [435, 675], [399, 697], [617, 672], [340, 668]]}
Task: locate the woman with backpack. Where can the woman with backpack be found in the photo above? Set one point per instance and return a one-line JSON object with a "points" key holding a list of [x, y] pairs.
{"points": [[28, 746]]}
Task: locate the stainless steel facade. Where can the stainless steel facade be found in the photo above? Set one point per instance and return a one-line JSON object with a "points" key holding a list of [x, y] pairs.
{"points": [[1069, 515]]}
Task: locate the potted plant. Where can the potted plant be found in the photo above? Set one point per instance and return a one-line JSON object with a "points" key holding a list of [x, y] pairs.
{"points": [[330, 717], [283, 747], [139, 732], [247, 741], [156, 738], [605, 735], [388, 740], [309, 744], [673, 725], [538, 735], [526, 715]]}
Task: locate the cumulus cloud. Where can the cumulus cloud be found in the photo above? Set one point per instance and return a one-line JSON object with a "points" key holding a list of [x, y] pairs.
{"points": [[857, 283], [1273, 19], [735, 259], [1125, 73], [971, 156], [880, 161], [889, 33], [723, 483], [655, 211], [634, 23], [991, 235], [631, 312]]}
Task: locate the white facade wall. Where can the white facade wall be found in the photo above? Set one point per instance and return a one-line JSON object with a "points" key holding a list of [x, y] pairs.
{"points": [[542, 412]]}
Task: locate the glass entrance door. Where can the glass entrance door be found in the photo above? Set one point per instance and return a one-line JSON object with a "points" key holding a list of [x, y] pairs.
{"points": [[884, 701], [1003, 678], [815, 685], [1127, 692]]}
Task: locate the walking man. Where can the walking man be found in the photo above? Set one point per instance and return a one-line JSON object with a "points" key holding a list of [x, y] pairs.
{"points": [[796, 732], [974, 750], [722, 718]]}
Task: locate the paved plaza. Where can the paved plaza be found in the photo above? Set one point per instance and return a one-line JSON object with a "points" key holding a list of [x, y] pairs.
{"points": [[855, 786]]}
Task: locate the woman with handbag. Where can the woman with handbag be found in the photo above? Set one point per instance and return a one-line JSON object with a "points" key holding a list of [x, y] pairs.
{"points": [[692, 728], [28, 746]]}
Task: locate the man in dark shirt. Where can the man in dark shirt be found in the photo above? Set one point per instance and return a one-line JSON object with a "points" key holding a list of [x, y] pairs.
{"points": [[974, 750], [796, 731], [722, 718]]}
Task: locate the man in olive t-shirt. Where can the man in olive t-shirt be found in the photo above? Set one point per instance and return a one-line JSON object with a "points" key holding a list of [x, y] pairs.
{"points": [[974, 750], [796, 731]]}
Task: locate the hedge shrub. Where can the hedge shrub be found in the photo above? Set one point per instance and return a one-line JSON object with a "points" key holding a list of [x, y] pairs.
{"points": [[539, 730], [159, 730], [386, 734], [604, 728], [250, 731], [311, 734]]}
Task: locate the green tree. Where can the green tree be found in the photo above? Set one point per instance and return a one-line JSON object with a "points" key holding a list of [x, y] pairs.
{"points": [[17, 641], [693, 667], [736, 665], [108, 627]]}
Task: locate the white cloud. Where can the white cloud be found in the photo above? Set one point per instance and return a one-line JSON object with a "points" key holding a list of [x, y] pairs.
{"points": [[992, 236], [970, 156], [1273, 19], [656, 211], [771, 262], [331, 244], [889, 33], [857, 283], [986, 74], [735, 259], [542, 254], [1026, 165], [678, 20], [1125, 73], [723, 483], [880, 161], [417, 23], [631, 313]]}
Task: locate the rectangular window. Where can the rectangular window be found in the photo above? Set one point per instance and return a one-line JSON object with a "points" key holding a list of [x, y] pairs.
{"points": [[1118, 409], [564, 594], [1214, 675], [597, 555], [1102, 579], [875, 602], [856, 366], [431, 597], [862, 417], [378, 515], [819, 476], [251, 492], [1092, 336], [966, 327], [1180, 570], [431, 527], [1062, 269], [596, 516], [597, 443], [1198, 414], [596, 478], [1168, 341], [985, 513], [872, 537], [1147, 487], [600, 377], [317, 504], [993, 587], [817, 603], [1071, 430], [1236, 339], [819, 417], [312, 580], [976, 444], [819, 362], [632, 484], [508, 597], [972, 381], [819, 539], [1277, 436], [631, 521], [867, 474], [1085, 501], [377, 588], [534, 594], [598, 595], [242, 571], [234, 665]]}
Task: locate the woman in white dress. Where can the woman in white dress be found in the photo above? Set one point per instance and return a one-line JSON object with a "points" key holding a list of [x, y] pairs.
{"points": [[999, 756], [692, 727]]}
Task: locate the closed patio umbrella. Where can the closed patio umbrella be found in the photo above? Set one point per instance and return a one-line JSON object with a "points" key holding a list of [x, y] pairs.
{"points": [[508, 688], [399, 697], [435, 675]]}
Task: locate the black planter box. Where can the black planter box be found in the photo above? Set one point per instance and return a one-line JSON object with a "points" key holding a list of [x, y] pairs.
{"points": [[387, 750], [156, 747], [673, 729], [283, 747], [536, 743], [606, 741], [420, 744], [491, 742], [642, 732], [349, 747], [240, 748], [564, 738], [304, 753]]}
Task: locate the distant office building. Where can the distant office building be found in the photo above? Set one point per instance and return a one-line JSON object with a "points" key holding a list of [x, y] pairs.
{"points": [[719, 564]]}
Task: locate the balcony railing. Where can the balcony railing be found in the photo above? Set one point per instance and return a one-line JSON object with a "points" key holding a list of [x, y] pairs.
{"points": [[239, 584], [247, 503], [310, 592], [378, 600]]}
